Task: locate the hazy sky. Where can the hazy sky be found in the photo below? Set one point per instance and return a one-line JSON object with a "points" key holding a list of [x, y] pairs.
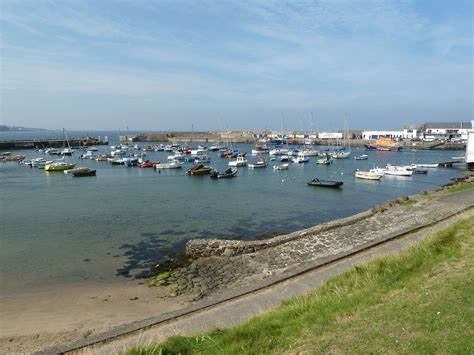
{"points": [[168, 65]]}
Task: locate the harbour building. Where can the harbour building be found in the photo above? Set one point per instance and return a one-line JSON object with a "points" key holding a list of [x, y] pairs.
{"points": [[453, 131]]}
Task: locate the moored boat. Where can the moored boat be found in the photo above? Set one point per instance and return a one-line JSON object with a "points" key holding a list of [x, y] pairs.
{"points": [[368, 175], [260, 163], [171, 165], [324, 161], [362, 157], [241, 161], [281, 167], [199, 169], [383, 144], [230, 172], [59, 166], [84, 172], [325, 183]]}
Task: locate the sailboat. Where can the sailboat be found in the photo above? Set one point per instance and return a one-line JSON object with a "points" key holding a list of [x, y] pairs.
{"points": [[344, 152], [61, 165]]}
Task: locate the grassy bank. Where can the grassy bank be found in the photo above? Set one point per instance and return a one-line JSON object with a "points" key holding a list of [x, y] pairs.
{"points": [[418, 301], [462, 186]]}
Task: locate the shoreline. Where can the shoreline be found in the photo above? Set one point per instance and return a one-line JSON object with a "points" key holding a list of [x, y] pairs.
{"points": [[79, 312]]}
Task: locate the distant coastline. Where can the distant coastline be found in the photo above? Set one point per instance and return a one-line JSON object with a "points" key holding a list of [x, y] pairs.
{"points": [[4, 128]]}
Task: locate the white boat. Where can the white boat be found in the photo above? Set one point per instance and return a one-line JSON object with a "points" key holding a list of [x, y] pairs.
{"points": [[260, 163], [340, 155], [398, 171], [279, 151], [308, 153], [92, 149], [177, 157], [215, 147], [378, 171], [202, 159], [260, 149], [362, 157], [281, 167], [241, 161], [367, 175], [300, 160], [284, 158], [89, 155], [172, 165]]}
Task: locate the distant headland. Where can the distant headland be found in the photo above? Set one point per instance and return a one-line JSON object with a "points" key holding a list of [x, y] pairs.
{"points": [[4, 128]]}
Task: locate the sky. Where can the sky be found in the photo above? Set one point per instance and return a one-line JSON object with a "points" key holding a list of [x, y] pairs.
{"points": [[225, 64]]}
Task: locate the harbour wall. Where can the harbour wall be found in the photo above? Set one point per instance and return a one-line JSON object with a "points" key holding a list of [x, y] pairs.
{"points": [[50, 143]]}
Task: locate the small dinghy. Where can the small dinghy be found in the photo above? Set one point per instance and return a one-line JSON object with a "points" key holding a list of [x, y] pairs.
{"points": [[325, 183], [280, 167], [84, 172], [362, 157]]}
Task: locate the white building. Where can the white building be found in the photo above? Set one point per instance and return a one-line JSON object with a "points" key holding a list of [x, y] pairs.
{"points": [[410, 132], [330, 135], [447, 130]]}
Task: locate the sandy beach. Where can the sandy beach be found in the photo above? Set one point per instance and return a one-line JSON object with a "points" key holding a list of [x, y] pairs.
{"points": [[53, 316]]}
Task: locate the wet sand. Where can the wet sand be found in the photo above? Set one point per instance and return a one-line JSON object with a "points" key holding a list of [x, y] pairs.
{"points": [[52, 316]]}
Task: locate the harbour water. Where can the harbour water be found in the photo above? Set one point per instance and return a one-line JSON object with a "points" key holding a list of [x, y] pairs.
{"points": [[56, 229]]}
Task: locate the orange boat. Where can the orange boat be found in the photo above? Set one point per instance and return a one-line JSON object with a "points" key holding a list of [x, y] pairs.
{"points": [[148, 164], [384, 144]]}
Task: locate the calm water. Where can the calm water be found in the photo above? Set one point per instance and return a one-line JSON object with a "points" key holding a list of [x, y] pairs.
{"points": [[57, 229]]}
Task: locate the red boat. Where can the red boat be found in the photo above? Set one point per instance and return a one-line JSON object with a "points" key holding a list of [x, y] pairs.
{"points": [[148, 164]]}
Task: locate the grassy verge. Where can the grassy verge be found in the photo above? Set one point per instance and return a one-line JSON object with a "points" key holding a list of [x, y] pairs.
{"points": [[418, 301], [463, 186]]}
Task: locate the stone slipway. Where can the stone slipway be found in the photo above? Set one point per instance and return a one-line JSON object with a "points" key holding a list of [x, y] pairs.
{"points": [[269, 275]]}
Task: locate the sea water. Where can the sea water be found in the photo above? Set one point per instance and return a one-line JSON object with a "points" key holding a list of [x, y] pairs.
{"points": [[56, 229]]}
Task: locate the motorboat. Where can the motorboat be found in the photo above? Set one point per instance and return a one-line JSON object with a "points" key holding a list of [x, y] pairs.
{"points": [[378, 171], [260, 163], [308, 153], [202, 159], [177, 157], [284, 158], [84, 172], [75, 170], [199, 169], [92, 149], [89, 155], [215, 147], [241, 161], [148, 164], [325, 183], [398, 171], [172, 165], [59, 166], [230, 172], [260, 149], [340, 154], [281, 167], [300, 160], [278, 151], [67, 151], [362, 157], [367, 175], [324, 161], [52, 151]]}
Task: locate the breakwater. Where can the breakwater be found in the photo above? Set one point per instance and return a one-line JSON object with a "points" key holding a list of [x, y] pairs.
{"points": [[49, 143]]}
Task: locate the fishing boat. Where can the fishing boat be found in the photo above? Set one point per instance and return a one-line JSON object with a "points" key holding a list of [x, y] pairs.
{"points": [[281, 167], [59, 166], [325, 183], [340, 155], [84, 172], [260, 149], [324, 161], [241, 161], [215, 147], [362, 157], [80, 168], [199, 169], [260, 163], [383, 144], [279, 151], [230, 172], [171, 165], [367, 175], [148, 164], [284, 158], [398, 171]]}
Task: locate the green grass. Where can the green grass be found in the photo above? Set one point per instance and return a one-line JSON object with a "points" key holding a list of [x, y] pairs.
{"points": [[408, 202], [463, 186], [417, 301]]}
